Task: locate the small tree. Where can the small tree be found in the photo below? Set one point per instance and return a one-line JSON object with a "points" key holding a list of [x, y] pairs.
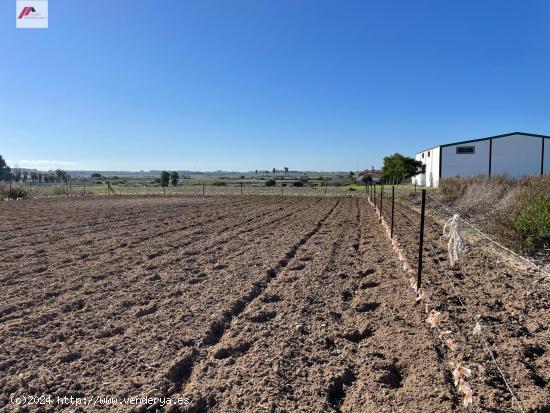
{"points": [[174, 177], [96, 175], [270, 182], [5, 171], [398, 167], [17, 175], [61, 175], [164, 180]]}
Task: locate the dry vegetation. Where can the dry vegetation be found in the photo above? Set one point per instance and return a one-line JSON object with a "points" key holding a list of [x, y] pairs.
{"points": [[14, 191], [516, 211]]}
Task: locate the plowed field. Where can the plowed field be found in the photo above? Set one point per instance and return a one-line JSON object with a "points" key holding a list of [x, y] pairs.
{"points": [[239, 304]]}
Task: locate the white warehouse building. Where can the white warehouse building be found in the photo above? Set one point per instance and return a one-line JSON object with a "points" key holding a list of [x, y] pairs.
{"points": [[515, 154]]}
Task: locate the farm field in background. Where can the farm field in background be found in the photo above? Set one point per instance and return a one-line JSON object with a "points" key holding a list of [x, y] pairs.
{"points": [[209, 188], [252, 304], [232, 184]]}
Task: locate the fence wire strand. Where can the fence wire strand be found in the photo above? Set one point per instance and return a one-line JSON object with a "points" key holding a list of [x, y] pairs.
{"points": [[479, 328]]}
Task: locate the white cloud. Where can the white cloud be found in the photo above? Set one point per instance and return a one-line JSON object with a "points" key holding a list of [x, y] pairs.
{"points": [[44, 163]]}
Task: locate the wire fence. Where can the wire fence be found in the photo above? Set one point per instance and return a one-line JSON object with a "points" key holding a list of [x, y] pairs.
{"points": [[399, 220], [82, 188]]}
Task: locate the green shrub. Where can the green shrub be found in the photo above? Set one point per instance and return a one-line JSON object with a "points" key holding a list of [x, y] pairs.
{"points": [[529, 218], [532, 220], [271, 182], [220, 183]]}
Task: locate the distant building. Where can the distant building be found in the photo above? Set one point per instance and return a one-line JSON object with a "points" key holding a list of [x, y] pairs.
{"points": [[515, 154], [373, 173]]}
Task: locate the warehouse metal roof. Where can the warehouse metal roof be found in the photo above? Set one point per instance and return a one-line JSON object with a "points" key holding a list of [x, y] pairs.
{"points": [[488, 137]]}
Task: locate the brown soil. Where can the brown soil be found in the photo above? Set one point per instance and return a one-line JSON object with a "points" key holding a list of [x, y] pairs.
{"points": [[247, 304], [512, 304]]}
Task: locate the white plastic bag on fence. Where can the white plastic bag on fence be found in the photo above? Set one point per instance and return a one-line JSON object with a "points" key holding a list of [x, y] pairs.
{"points": [[457, 243]]}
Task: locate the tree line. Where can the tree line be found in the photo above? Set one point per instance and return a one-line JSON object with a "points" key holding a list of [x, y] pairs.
{"points": [[17, 175]]}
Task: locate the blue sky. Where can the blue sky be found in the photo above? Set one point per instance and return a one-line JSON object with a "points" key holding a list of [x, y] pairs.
{"points": [[256, 84]]}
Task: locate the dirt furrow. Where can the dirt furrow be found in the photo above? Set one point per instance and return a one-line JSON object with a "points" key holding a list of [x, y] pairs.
{"points": [[127, 230], [161, 295], [139, 269], [302, 344], [24, 224], [122, 247]]}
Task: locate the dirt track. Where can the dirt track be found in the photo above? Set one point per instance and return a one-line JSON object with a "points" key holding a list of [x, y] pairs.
{"points": [[236, 303]]}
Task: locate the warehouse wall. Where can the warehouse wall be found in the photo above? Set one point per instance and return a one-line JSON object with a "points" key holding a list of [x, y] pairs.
{"points": [[516, 155], [465, 164], [430, 158], [421, 178], [547, 156]]}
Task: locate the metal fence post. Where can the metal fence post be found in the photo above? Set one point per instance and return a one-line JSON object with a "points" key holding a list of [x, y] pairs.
{"points": [[381, 198], [421, 241], [203, 188], [392, 208], [241, 188], [282, 186], [326, 184]]}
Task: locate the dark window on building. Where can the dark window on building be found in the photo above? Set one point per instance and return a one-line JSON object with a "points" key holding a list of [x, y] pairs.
{"points": [[465, 149], [422, 156], [428, 154]]}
